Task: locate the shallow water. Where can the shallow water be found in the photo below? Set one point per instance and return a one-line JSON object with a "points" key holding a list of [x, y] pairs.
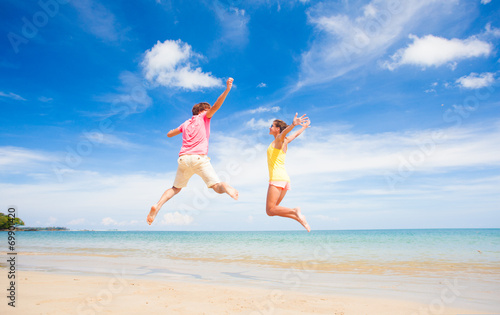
{"points": [[395, 250], [420, 265]]}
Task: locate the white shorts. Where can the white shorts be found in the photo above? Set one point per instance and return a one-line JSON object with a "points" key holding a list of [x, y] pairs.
{"points": [[195, 164]]}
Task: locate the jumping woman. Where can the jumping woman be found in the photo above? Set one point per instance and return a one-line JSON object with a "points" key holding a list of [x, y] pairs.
{"points": [[279, 181]]}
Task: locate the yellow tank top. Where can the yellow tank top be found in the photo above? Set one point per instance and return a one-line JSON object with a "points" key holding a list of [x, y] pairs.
{"points": [[276, 164]]}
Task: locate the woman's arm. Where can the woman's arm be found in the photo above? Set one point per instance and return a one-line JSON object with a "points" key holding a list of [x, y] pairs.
{"points": [[305, 124], [296, 121]]}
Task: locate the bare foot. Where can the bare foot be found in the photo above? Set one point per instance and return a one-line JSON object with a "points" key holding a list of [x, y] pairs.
{"points": [[302, 220], [152, 214], [232, 192]]}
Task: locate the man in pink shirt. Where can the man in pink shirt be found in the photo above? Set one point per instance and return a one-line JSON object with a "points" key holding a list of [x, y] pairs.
{"points": [[193, 157]]}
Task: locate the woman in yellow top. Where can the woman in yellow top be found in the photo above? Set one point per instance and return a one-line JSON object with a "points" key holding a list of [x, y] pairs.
{"points": [[279, 182]]}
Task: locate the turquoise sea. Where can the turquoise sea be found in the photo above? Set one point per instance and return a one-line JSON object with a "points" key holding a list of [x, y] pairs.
{"points": [[320, 248], [411, 264]]}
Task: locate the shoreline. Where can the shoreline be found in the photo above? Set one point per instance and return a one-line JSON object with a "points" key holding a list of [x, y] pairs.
{"points": [[259, 273], [86, 294], [420, 268]]}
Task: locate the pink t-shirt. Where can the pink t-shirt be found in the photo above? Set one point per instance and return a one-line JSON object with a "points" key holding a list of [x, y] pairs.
{"points": [[195, 134]]}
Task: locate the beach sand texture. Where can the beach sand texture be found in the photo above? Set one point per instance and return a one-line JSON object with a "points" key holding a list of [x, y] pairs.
{"points": [[49, 293]]}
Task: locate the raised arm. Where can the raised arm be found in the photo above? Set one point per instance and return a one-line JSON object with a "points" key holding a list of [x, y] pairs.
{"points": [[296, 121], [221, 99], [173, 133], [305, 124]]}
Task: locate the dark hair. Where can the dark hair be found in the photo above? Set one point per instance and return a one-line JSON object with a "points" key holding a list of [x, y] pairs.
{"points": [[198, 108], [280, 124]]}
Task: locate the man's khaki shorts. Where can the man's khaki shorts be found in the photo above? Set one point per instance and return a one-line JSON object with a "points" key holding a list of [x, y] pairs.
{"points": [[195, 164]]}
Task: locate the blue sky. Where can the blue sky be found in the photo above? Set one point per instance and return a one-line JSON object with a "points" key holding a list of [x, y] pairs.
{"points": [[402, 96]]}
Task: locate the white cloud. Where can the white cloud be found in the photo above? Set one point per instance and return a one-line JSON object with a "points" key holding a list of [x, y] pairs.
{"points": [[234, 24], [477, 81], [123, 198], [171, 64], [15, 159], [98, 20], [491, 31], [12, 96], [432, 89], [259, 123], [485, 1], [108, 221], [436, 51], [108, 139], [111, 222], [45, 99], [349, 39], [263, 109], [394, 160], [255, 111], [326, 218], [441, 150], [176, 218], [79, 221], [133, 95], [262, 85], [370, 10], [51, 221]]}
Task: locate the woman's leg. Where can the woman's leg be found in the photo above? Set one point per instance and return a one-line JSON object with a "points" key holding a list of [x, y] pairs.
{"points": [[274, 197], [282, 195]]}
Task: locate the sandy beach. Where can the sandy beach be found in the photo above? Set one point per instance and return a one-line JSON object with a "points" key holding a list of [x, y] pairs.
{"points": [[50, 293], [350, 272]]}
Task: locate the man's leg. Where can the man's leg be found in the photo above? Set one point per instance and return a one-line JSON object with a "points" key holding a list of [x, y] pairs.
{"points": [[206, 171], [169, 193], [222, 187], [184, 173]]}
